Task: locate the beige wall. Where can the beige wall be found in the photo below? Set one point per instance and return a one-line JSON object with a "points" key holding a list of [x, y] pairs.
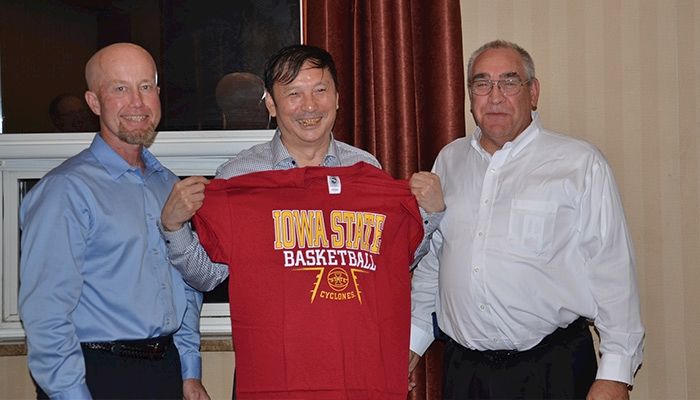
{"points": [[625, 75], [15, 382]]}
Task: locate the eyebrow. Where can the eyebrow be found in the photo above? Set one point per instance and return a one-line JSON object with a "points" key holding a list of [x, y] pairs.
{"points": [[511, 74], [126, 82], [298, 86], [504, 75]]}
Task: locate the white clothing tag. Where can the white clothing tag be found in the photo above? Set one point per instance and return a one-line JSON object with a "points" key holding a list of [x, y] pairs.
{"points": [[334, 185]]}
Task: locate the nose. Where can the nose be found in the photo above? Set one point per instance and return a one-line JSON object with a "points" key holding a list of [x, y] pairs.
{"points": [[308, 103], [496, 96], [136, 98]]}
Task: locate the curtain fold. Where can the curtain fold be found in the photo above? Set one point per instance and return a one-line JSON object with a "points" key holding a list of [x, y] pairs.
{"points": [[401, 85], [401, 75]]}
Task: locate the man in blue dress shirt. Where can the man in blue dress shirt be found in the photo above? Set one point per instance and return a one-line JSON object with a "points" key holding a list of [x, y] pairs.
{"points": [[105, 314]]}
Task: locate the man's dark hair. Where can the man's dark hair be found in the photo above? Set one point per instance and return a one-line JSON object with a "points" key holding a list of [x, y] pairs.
{"points": [[284, 66]]}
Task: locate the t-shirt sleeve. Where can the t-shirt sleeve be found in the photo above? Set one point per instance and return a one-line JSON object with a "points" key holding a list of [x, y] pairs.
{"points": [[212, 223]]}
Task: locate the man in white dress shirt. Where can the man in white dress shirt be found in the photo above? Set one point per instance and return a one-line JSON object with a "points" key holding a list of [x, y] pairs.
{"points": [[533, 245]]}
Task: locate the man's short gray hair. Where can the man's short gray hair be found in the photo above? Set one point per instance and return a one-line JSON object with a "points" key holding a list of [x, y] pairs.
{"points": [[503, 44]]}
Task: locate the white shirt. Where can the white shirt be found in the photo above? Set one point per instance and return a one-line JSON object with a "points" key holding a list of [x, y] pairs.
{"points": [[533, 237]]}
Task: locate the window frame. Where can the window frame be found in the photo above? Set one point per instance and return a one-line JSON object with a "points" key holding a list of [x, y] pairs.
{"points": [[31, 155]]}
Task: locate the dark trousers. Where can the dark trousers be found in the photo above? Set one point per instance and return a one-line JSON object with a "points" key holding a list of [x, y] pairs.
{"points": [[562, 366], [110, 376]]}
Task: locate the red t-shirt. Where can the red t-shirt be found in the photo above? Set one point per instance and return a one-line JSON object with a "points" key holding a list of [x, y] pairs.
{"points": [[319, 284]]}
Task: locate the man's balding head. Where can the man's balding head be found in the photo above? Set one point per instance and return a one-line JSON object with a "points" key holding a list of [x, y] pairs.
{"points": [[95, 67]]}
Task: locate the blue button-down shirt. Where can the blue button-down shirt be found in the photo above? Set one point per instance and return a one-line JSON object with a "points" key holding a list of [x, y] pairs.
{"points": [[94, 267]]}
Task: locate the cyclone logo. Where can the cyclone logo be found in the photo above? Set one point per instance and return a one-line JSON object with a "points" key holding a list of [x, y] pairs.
{"points": [[338, 279]]}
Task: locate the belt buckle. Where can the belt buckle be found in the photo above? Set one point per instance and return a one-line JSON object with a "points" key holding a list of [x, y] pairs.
{"points": [[118, 350], [500, 356], [155, 351]]}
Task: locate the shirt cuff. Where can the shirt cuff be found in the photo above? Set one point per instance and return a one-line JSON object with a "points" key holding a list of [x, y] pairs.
{"points": [[431, 220], [79, 392], [616, 367], [179, 239], [191, 367], [420, 339]]}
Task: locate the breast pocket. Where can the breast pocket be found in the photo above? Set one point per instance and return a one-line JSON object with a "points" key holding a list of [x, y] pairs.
{"points": [[531, 227]]}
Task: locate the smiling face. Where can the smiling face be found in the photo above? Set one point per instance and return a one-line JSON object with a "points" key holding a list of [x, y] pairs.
{"points": [[305, 108], [502, 118], [124, 93]]}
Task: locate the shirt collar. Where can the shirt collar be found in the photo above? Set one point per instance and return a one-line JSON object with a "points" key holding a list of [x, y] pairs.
{"points": [[518, 144], [116, 165], [281, 159]]}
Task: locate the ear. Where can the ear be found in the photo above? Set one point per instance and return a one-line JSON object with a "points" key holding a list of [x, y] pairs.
{"points": [[534, 93], [270, 104], [93, 102]]}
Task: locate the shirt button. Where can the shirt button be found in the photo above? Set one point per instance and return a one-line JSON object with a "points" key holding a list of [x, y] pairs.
{"points": [[486, 201], [476, 269], [480, 234], [482, 307]]}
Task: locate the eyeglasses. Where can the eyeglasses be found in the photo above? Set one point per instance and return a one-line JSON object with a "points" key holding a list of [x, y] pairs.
{"points": [[509, 86]]}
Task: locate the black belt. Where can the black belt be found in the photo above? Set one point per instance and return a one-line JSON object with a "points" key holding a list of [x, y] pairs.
{"points": [[152, 349], [558, 336]]}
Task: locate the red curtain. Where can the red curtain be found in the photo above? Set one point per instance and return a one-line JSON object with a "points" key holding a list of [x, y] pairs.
{"points": [[401, 75], [401, 84]]}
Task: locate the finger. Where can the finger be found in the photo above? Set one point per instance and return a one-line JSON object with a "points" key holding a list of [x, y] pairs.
{"points": [[420, 177], [196, 189], [195, 179], [196, 183], [419, 183]]}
